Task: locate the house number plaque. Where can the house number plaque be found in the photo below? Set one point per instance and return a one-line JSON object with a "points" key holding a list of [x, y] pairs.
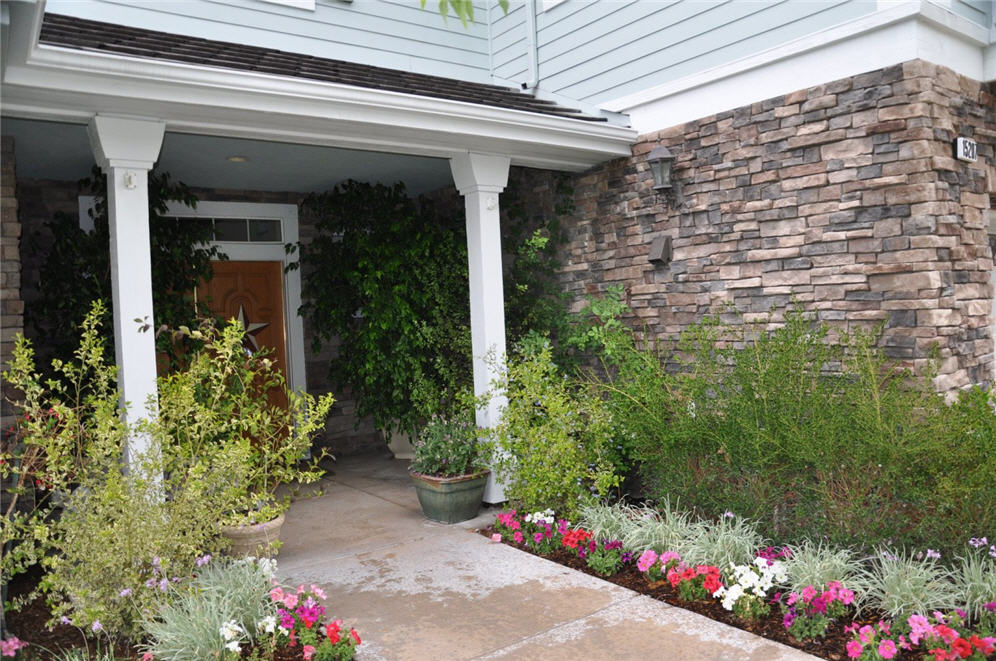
{"points": [[966, 149]]}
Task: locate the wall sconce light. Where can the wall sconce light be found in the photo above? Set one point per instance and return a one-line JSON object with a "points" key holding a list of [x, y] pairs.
{"points": [[661, 161], [660, 251]]}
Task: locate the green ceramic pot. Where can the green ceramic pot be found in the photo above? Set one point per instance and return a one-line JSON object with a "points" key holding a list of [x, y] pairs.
{"points": [[450, 499]]}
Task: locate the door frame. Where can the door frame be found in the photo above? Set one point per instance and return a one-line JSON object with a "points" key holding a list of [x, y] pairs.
{"points": [[253, 251]]}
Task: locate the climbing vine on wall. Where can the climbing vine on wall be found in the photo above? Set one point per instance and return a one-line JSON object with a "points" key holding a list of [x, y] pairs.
{"points": [[386, 278], [76, 267]]}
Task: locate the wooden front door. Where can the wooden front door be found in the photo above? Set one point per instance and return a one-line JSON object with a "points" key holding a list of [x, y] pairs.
{"points": [[253, 293]]}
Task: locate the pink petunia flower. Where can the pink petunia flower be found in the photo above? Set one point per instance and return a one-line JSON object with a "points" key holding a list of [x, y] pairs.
{"points": [[854, 649], [496, 537], [10, 646], [887, 649], [646, 560], [309, 651]]}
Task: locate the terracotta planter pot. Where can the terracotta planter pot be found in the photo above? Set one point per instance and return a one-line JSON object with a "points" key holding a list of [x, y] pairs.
{"points": [[450, 499], [258, 539]]}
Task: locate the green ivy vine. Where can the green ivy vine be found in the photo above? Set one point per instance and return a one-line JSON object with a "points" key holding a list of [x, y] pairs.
{"points": [[386, 277], [76, 267]]}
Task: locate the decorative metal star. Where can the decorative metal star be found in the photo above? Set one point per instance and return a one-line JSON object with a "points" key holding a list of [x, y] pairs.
{"points": [[249, 341]]}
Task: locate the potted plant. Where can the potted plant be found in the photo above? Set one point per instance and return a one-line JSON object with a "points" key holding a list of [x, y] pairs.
{"points": [[449, 469], [217, 412]]}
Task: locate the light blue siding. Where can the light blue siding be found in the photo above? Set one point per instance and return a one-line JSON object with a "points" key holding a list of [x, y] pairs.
{"points": [[396, 34], [508, 42], [977, 11], [683, 39], [598, 51]]}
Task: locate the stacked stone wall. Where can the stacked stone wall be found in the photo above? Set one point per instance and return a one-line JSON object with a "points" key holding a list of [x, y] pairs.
{"points": [[845, 198], [11, 303]]}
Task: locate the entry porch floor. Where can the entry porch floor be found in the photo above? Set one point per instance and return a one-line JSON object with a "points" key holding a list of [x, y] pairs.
{"points": [[415, 589]]}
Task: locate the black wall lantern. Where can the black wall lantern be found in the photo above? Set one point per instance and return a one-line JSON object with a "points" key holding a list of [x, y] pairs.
{"points": [[661, 161]]}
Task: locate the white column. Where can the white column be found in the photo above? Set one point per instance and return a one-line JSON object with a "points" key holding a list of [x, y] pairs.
{"points": [[126, 149], [480, 178]]}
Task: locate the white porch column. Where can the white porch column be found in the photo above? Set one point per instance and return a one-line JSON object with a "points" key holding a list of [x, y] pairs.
{"points": [[126, 149], [480, 178]]}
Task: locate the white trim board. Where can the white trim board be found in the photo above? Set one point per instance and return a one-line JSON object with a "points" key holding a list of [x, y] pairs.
{"points": [[896, 33], [252, 252]]}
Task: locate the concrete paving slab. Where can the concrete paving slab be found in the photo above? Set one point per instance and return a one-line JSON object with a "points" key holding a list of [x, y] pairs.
{"points": [[417, 589], [643, 628]]}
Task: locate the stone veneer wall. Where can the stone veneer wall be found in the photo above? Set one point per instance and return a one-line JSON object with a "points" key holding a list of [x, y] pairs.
{"points": [[844, 197], [41, 199], [11, 304]]}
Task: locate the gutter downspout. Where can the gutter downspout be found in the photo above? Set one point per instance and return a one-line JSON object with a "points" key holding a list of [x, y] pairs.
{"points": [[532, 47]]}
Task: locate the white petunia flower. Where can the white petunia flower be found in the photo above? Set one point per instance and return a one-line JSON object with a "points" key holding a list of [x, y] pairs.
{"points": [[231, 630], [268, 624]]}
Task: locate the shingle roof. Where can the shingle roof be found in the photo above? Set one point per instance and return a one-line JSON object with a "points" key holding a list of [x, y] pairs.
{"points": [[84, 34]]}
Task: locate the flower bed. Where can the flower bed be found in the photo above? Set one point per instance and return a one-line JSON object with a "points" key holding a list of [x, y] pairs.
{"points": [[233, 609], [824, 620]]}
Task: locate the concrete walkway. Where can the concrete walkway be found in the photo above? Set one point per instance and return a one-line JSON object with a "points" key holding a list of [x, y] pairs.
{"points": [[418, 590]]}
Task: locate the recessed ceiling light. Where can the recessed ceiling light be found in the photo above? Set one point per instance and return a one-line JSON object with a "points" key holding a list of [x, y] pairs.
{"points": [[237, 159]]}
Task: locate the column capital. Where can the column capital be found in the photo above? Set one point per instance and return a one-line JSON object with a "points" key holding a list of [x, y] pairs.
{"points": [[125, 141], [479, 173]]}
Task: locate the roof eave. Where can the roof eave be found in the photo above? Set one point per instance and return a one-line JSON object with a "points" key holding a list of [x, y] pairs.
{"points": [[68, 84]]}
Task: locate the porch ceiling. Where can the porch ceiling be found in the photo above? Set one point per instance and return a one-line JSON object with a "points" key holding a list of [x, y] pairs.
{"points": [[61, 151], [58, 83]]}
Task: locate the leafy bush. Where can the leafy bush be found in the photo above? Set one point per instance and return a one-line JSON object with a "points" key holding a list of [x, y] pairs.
{"points": [[386, 276], [217, 450], [75, 267], [66, 424], [811, 436], [121, 541], [448, 447], [553, 439], [216, 410]]}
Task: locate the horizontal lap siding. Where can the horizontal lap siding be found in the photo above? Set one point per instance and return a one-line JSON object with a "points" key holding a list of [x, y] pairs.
{"points": [[394, 34], [508, 42], [977, 11], [599, 51]]}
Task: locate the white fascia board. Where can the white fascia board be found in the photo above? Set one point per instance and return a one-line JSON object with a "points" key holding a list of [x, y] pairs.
{"points": [[989, 63], [897, 33], [69, 85]]}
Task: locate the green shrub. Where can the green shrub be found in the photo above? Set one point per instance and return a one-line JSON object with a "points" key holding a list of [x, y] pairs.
{"points": [[448, 447], [553, 440], [123, 534], [216, 451], [67, 424], [216, 410], [810, 435]]}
